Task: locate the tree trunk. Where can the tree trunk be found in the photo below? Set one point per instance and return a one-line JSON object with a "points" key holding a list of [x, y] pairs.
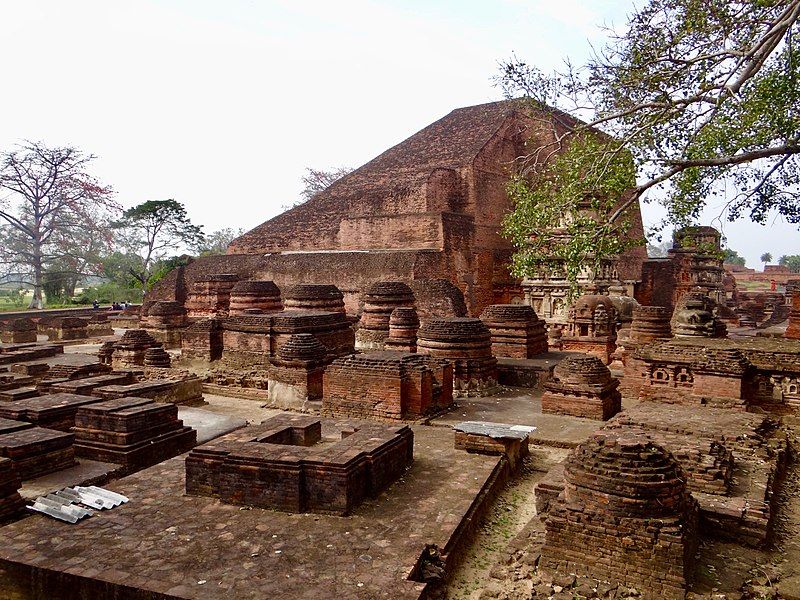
{"points": [[36, 301]]}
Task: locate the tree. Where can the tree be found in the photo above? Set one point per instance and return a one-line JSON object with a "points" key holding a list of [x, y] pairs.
{"points": [[701, 96], [53, 214], [151, 230], [732, 257], [792, 261], [765, 258], [316, 181], [218, 241]]}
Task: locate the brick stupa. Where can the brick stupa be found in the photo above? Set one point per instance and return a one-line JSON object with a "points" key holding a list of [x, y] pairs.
{"points": [[582, 386], [379, 302], [516, 330]]}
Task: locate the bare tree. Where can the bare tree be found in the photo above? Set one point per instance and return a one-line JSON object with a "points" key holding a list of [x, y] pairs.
{"points": [[52, 212]]}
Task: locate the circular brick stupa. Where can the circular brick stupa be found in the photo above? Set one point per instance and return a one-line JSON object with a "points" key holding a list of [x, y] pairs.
{"points": [[261, 295], [311, 296], [403, 327], [695, 316], [467, 343], [650, 323], [582, 386], [295, 375], [516, 330], [211, 297], [643, 520], [379, 301]]}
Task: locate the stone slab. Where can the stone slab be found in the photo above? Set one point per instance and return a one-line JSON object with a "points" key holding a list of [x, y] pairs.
{"points": [[208, 424]]}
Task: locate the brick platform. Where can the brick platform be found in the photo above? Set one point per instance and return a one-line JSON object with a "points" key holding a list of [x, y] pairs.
{"points": [[11, 503], [133, 432], [36, 451], [87, 385], [285, 464], [53, 411]]}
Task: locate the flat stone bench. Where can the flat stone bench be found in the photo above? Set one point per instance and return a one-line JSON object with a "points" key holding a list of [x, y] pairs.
{"points": [[481, 437]]}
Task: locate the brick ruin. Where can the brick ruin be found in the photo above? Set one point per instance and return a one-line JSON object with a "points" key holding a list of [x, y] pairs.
{"points": [[696, 316], [591, 327], [314, 297], [132, 432], [129, 350], [428, 209], [64, 328], [403, 327], [18, 331], [165, 322], [295, 373], [625, 515], [247, 296], [286, 464], [582, 386], [793, 329], [210, 296], [387, 385], [380, 300], [467, 343], [516, 331]]}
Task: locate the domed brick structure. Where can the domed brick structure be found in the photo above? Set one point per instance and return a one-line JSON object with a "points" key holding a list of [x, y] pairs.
{"points": [[591, 327], [18, 331], [516, 330], [696, 316], [466, 342], [295, 376], [625, 516], [403, 327], [262, 295], [130, 350], [166, 321], [649, 324], [210, 296], [157, 357], [312, 296], [582, 386], [380, 300]]}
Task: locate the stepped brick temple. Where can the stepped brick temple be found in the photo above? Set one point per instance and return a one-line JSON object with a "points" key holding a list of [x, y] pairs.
{"points": [[429, 208]]}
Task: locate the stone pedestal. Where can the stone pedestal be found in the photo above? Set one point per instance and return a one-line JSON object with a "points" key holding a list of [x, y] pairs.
{"points": [[516, 330], [467, 343]]}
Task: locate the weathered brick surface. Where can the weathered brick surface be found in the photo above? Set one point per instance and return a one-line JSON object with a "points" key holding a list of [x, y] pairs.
{"points": [[129, 350], [403, 327], [467, 343], [251, 295], [516, 330], [53, 411], [386, 386], [591, 327], [295, 375], [36, 451], [380, 300], [18, 331], [203, 340], [210, 296], [11, 503], [133, 432], [582, 386], [283, 464], [793, 328], [625, 515]]}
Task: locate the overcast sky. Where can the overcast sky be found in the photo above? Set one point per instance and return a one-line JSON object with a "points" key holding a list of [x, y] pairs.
{"points": [[221, 105]]}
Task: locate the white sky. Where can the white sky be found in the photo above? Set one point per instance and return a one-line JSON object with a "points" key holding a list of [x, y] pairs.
{"points": [[221, 105]]}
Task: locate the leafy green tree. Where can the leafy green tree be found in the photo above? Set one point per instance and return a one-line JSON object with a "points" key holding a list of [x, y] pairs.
{"points": [[792, 261], [765, 258], [699, 96], [218, 241], [732, 257], [150, 231], [53, 215]]}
